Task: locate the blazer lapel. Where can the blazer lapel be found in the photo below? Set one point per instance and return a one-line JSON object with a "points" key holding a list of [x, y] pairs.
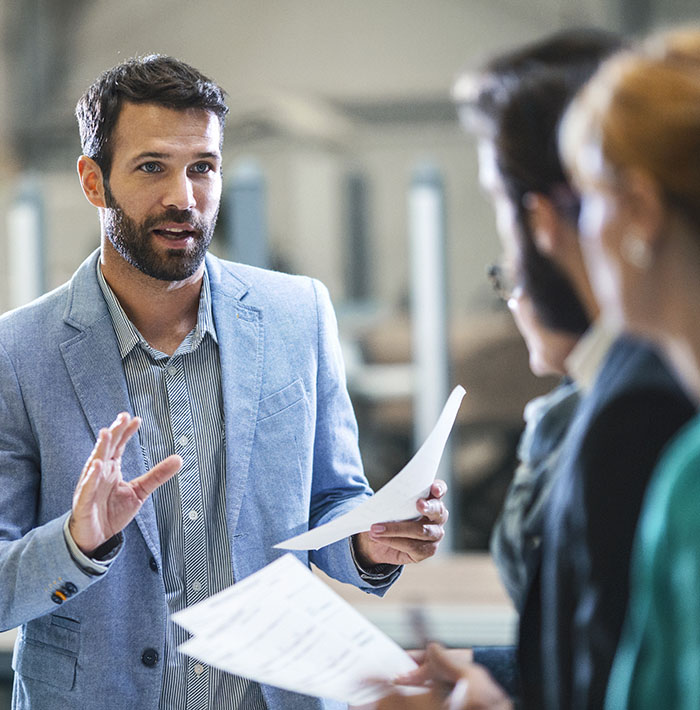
{"points": [[95, 367], [239, 330]]}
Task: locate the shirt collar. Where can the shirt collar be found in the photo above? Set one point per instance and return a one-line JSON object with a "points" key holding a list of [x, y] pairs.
{"points": [[128, 336], [585, 359]]}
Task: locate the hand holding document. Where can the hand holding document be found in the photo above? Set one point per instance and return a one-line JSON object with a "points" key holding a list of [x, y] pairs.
{"points": [[283, 626], [397, 499]]}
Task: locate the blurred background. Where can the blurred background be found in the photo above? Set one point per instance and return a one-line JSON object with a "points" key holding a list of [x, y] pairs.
{"points": [[343, 160]]}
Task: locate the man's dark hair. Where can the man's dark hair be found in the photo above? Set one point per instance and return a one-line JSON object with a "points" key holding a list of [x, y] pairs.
{"points": [[516, 102], [152, 79]]}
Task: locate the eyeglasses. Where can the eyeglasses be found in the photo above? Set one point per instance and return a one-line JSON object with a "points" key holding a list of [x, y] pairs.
{"points": [[500, 281]]}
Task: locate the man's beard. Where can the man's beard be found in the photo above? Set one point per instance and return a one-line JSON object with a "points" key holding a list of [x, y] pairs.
{"points": [[133, 241]]}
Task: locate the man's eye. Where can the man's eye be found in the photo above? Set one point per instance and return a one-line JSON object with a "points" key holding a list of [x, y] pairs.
{"points": [[201, 168], [150, 167]]}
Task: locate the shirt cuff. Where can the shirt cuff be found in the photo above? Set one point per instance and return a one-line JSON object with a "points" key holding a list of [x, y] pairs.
{"points": [[103, 556], [375, 575]]}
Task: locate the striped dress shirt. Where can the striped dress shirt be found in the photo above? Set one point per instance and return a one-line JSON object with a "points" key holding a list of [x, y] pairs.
{"points": [[179, 400]]}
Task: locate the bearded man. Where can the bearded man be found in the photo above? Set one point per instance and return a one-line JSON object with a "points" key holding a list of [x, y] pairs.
{"points": [[235, 370]]}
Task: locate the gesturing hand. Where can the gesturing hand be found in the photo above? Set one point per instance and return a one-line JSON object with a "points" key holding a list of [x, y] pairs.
{"points": [[103, 502]]}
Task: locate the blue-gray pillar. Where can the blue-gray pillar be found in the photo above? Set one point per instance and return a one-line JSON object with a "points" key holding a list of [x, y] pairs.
{"points": [[246, 226], [357, 259], [426, 217], [26, 244]]}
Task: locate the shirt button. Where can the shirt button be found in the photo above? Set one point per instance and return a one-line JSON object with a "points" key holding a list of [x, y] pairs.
{"points": [[183, 441], [193, 515], [172, 371], [149, 657], [196, 585], [198, 669]]}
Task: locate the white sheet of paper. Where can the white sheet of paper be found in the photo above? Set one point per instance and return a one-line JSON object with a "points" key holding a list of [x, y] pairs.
{"points": [[396, 500], [283, 626]]}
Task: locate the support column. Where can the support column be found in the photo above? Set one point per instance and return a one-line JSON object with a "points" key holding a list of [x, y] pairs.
{"points": [[426, 213], [246, 227], [25, 245]]}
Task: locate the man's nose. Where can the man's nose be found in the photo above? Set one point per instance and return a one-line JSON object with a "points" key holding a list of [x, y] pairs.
{"points": [[179, 192]]}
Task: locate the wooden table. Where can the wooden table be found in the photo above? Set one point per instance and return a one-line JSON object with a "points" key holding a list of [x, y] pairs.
{"points": [[459, 596]]}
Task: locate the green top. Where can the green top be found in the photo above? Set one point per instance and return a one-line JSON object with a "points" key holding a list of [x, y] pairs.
{"points": [[658, 661]]}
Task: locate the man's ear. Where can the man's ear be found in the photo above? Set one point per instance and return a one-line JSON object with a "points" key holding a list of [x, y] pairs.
{"points": [[91, 181], [544, 223]]}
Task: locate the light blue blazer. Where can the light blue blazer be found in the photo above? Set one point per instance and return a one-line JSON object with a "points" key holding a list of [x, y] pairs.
{"points": [[292, 463]]}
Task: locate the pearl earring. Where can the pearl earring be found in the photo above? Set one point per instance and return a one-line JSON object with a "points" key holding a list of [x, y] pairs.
{"points": [[635, 251]]}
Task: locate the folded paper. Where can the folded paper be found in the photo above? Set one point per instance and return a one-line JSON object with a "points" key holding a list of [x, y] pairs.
{"points": [[397, 499]]}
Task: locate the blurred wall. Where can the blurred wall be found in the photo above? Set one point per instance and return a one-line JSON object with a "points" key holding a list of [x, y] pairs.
{"points": [[317, 88]]}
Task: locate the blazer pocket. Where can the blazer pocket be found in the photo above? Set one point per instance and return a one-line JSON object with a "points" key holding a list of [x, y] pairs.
{"points": [[281, 400], [55, 631], [65, 622], [47, 664]]}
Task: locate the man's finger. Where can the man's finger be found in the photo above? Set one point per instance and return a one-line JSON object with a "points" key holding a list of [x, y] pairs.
{"points": [[127, 430], [144, 485], [98, 451], [87, 485], [115, 429], [422, 529], [433, 509], [415, 550], [438, 488]]}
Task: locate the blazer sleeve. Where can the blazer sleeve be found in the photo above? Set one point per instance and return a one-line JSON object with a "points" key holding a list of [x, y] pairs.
{"points": [[339, 483], [625, 444], [34, 559]]}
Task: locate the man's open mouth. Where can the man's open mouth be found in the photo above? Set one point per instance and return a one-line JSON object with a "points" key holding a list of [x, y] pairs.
{"points": [[176, 233]]}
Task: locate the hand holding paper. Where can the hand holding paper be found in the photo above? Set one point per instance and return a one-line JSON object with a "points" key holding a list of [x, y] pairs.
{"points": [[397, 499], [407, 541], [283, 626]]}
